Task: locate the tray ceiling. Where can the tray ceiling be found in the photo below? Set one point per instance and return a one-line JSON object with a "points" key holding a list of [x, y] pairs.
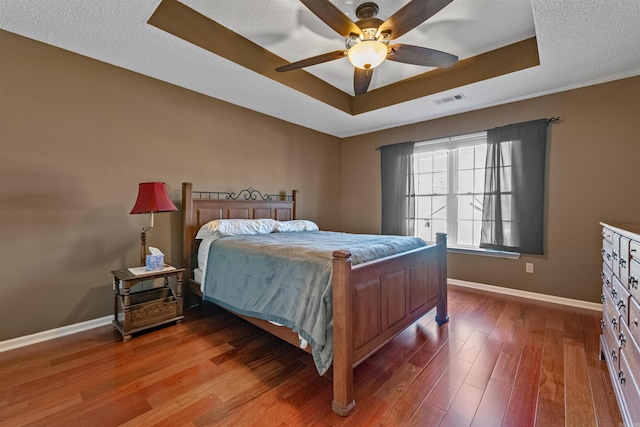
{"points": [[509, 50]]}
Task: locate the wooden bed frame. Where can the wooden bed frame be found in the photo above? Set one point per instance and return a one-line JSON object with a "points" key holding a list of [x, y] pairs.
{"points": [[372, 302]]}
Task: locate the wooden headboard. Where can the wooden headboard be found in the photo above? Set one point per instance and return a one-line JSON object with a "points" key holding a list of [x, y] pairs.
{"points": [[200, 207]]}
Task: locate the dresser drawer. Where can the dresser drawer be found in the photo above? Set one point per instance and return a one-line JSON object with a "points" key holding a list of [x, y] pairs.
{"points": [[626, 341], [607, 257], [629, 386], [615, 254], [634, 249], [610, 313], [621, 298], [612, 351], [623, 261], [634, 320], [634, 276], [610, 331], [615, 290], [607, 234], [606, 276]]}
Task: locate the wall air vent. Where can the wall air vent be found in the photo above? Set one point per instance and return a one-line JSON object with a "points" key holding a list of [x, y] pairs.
{"points": [[448, 99]]}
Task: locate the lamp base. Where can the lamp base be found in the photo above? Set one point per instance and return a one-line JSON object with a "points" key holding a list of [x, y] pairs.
{"points": [[143, 246]]}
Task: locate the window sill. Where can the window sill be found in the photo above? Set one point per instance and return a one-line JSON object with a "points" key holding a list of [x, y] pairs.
{"points": [[483, 252]]}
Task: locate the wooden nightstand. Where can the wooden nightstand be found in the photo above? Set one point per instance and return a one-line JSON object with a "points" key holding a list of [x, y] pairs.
{"points": [[136, 311]]}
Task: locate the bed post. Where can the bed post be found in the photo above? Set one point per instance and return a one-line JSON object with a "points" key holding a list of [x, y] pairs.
{"points": [[441, 314], [187, 238], [294, 197], [343, 401]]}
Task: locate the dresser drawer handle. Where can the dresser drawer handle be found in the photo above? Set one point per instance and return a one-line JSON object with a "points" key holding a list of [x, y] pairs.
{"points": [[614, 356], [635, 321], [621, 305], [622, 262], [622, 339], [614, 293], [633, 282], [614, 322], [603, 324], [603, 251], [602, 298], [621, 377], [615, 256], [608, 257]]}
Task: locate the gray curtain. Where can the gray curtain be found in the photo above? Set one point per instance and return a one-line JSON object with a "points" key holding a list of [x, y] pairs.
{"points": [[398, 203], [513, 209]]}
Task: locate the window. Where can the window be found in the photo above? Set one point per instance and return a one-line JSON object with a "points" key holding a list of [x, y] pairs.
{"points": [[485, 190], [449, 174]]}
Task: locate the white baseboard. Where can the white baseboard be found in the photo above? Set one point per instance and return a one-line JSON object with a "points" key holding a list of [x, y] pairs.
{"points": [[90, 324], [529, 295], [53, 333]]}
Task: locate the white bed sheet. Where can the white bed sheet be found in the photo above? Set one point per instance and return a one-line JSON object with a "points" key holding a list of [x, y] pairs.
{"points": [[198, 275]]}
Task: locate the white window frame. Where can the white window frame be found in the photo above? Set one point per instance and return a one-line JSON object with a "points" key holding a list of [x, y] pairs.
{"points": [[451, 144]]}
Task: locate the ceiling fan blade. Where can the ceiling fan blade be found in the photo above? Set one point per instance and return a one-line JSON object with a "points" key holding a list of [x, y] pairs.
{"points": [[325, 57], [332, 16], [417, 55], [411, 15], [361, 80]]}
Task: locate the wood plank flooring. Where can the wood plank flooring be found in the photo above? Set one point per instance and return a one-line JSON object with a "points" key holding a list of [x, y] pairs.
{"points": [[500, 361]]}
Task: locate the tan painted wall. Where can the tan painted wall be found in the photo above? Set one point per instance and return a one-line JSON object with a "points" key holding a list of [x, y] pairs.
{"points": [[592, 176], [76, 138], [77, 135]]}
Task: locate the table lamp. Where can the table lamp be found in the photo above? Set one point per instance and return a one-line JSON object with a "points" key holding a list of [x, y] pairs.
{"points": [[152, 198]]}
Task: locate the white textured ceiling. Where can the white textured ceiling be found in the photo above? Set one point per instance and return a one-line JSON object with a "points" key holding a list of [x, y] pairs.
{"points": [[580, 42]]}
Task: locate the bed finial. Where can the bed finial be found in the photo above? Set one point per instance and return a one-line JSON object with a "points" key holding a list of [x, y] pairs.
{"points": [[187, 230], [294, 197], [441, 313]]}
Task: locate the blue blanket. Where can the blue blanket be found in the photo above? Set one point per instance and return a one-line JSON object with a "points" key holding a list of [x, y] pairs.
{"points": [[286, 278]]}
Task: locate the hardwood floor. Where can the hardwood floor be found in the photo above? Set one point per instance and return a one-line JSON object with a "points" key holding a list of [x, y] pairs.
{"points": [[499, 361]]}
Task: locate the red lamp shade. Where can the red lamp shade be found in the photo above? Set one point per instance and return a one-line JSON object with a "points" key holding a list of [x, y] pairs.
{"points": [[153, 197]]}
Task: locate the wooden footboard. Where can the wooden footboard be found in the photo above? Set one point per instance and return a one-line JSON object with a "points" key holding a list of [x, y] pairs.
{"points": [[372, 302], [375, 301]]}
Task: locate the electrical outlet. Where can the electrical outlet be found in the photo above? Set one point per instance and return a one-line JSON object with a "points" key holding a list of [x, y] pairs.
{"points": [[529, 267]]}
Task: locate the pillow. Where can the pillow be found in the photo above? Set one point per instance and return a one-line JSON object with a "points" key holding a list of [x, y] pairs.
{"points": [[234, 227], [296, 225]]}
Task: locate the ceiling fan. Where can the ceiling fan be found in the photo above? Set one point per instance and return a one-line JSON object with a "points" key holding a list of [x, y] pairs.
{"points": [[367, 40]]}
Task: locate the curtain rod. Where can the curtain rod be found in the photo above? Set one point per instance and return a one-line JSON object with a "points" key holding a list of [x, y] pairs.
{"points": [[549, 121]]}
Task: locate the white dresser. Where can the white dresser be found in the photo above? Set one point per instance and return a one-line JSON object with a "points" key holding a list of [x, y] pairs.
{"points": [[620, 339]]}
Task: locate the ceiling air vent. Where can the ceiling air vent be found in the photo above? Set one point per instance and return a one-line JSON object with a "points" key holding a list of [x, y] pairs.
{"points": [[448, 99]]}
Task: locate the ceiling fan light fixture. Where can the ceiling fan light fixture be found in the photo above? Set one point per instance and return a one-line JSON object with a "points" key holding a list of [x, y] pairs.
{"points": [[367, 54]]}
